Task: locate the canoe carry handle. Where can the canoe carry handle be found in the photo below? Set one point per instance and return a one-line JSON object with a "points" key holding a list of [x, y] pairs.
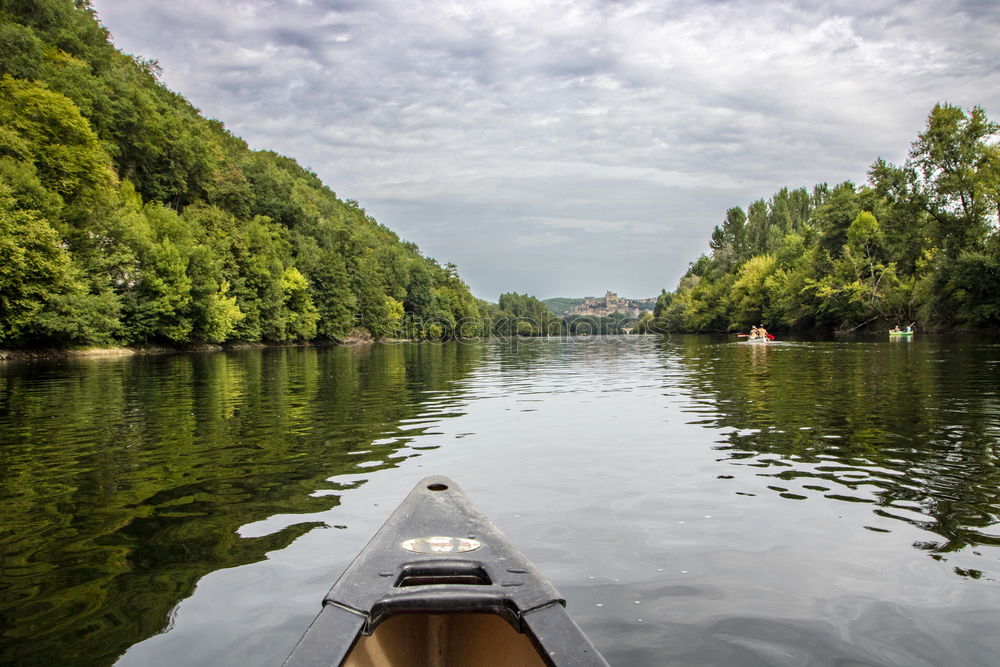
{"points": [[439, 572], [455, 599]]}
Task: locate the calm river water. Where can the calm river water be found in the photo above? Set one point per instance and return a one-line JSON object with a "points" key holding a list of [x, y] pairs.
{"points": [[698, 501]]}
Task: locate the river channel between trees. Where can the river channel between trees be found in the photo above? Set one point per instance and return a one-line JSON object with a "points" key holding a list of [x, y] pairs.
{"points": [[697, 500]]}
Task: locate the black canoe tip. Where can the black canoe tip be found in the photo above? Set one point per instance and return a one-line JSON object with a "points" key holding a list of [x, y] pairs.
{"points": [[436, 484], [437, 567]]}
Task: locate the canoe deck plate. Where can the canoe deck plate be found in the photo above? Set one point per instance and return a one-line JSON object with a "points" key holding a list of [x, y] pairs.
{"points": [[440, 545]]}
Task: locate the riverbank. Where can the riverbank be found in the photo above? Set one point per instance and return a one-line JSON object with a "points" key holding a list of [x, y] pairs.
{"points": [[73, 353], [356, 337], [364, 338], [62, 353]]}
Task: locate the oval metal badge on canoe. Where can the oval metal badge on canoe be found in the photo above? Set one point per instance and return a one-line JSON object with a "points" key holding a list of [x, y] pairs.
{"points": [[440, 545]]}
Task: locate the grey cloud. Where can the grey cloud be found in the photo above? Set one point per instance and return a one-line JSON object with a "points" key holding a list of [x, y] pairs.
{"points": [[591, 127]]}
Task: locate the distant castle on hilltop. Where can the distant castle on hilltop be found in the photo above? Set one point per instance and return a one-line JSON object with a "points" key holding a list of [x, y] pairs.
{"points": [[612, 303]]}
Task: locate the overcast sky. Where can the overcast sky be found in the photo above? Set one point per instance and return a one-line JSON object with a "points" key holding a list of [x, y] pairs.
{"points": [[569, 148]]}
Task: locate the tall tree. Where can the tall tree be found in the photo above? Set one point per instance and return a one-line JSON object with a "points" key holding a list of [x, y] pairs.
{"points": [[958, 174]]}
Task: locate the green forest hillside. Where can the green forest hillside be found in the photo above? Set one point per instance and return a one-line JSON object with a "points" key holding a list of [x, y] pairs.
{"points": [[560, 305], [918, 243], [126, 217]]}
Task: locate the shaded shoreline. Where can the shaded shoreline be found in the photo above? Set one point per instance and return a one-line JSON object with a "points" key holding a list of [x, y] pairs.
{"points": [[356, 339], [42, 354]]}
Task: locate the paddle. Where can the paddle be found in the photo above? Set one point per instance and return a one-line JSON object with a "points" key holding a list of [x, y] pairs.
{"points": [[770, 336]]}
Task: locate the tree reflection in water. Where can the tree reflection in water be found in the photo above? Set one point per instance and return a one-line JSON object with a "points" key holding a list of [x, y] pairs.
{"points": [[125, 481], [910, 429]]}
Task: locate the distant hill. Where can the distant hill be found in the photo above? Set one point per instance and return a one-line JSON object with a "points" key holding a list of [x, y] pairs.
{"points": [[560, 304]]}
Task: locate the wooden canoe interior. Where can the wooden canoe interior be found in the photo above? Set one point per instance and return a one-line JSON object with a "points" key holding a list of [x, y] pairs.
{"points": [[437, 640]]}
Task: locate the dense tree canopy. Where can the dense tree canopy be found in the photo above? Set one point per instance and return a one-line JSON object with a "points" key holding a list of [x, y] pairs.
{"points": [[127, 217], [918, 243]]}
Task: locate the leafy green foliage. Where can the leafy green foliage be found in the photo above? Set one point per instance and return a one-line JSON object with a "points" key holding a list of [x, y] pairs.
{"points": [[559, 305], [523, 315], [918, 242], [34, 269]]}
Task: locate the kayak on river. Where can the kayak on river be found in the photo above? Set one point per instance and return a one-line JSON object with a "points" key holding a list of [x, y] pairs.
{"points": [[758, 334], [440, 585]]}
